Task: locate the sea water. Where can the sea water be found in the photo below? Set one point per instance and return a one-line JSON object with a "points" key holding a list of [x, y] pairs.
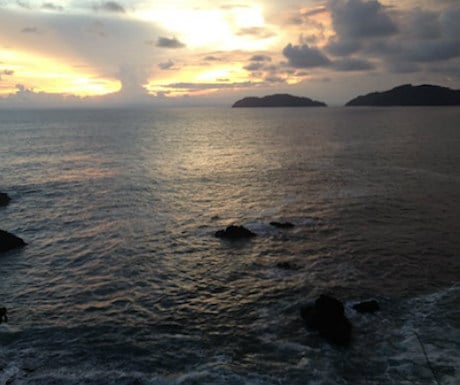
{"points": [[123, 282]]}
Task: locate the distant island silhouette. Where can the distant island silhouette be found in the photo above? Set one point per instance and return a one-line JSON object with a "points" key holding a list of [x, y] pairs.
{"points": [[409, 95], [278, 100]]}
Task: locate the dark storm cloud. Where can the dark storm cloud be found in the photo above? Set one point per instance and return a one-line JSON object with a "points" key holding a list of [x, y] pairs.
{"points": [[369, 36], [110, 6], [303, 56], [165, 42], [361, 19]]}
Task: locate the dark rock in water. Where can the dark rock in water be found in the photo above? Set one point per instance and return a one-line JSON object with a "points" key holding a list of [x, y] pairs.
{"points": [[9, 241], [282, 225], [287, 266], [367, 306], [327, 316], [235, 232], [4, 199], [3, 315]]}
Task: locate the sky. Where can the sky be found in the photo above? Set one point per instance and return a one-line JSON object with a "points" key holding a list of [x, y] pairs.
{"points": [[213, 52]]}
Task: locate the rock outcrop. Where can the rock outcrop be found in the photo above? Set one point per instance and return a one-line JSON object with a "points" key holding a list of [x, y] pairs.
{"points": [[367, 306], [9, 241], [282, 225], [327, 316], [235, 233], [4, 199]]}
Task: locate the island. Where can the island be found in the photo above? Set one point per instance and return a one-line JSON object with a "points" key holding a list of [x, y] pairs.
{"points": [[278, 100], [409, 95]]}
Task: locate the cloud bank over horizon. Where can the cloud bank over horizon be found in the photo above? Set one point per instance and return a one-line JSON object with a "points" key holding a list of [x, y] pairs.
{"points": [[191, 52]]}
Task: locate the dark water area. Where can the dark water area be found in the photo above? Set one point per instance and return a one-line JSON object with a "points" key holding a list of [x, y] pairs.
{"points": [[123, 281]]}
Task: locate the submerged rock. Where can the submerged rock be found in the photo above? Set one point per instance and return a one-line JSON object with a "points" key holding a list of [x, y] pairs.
{"points": [[4, 199], [3, 315], [282, 225], [327, 316], [9, 241], [287, 265], [235, 232], [367, 306]]}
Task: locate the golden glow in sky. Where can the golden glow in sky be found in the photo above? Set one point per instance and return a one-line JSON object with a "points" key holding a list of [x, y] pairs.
{"points": [[51, 75]]}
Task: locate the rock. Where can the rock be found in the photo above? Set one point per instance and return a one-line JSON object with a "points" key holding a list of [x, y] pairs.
{"points": [[9, 241], [4, 199], [287, 266], [367, 306], [235, 232], [3, 315], [327, 316], [282, 225]]}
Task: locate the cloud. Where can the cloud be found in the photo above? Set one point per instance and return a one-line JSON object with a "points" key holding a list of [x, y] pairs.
{"points": [[165, 42], [256, 66], [449, 20], [361, 19], [432, 50], [315, 11], [303, 56], [423, 24], [23, 4], [338, 47], [110, 6], [274, 79], [30, 30], [212, 58], [52, 7], [257, 32], [206, 86], [6, 73], [259, 58], [403, 67], [352, 64], [166, 65]]}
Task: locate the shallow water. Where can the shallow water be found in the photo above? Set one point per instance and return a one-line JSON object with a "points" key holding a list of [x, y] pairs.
{"points": [[123, 281]]}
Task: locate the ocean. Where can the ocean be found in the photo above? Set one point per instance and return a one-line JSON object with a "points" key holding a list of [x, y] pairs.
{"points": [[123, 281]]}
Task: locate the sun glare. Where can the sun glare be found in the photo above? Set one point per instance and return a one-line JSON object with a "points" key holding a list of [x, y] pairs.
{"points": [[211, 28]]}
